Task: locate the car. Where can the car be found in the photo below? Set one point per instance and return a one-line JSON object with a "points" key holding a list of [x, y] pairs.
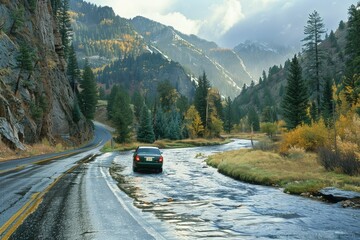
{"points": [[146, 157]]}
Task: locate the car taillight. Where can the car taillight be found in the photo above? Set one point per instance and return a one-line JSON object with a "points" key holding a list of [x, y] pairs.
{"points": [[137, 158], [161, 159]]}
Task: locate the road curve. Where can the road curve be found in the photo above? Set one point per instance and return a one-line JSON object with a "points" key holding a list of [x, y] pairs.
{"points": [[25, 182]]}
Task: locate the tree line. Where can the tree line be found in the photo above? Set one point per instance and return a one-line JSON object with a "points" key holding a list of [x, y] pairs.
{"points": [[169, 115]]}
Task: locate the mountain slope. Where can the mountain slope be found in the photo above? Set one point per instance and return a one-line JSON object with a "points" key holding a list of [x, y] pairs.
{"points": [[144, 73], [260, 56], [196, 55], [36, 100]]}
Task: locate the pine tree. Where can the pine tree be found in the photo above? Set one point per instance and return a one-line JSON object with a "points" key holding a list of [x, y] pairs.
{"points": [[64, 25], [253, 119], [88, 95], [351, 81], [111, 99], [201, 98], [18, 19], [73, 70], [138, 102], [122, 115], [228, 113], [173, 126], [352, 41], [145, 131], [313, 31], [25, 63], [159, 123], [327, 102], [295, 101]]}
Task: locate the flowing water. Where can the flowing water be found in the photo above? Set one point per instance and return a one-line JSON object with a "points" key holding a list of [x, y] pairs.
{"points": [[197, 202]]}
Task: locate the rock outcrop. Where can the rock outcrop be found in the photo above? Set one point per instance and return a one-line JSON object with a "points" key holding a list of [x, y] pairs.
{"points": [[39, 103]]}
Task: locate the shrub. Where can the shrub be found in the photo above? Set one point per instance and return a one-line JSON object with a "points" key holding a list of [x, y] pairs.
{"points": [[296, 153], [327, 158], [265, 145], [269, 128], [347, 163], [310, 138]]}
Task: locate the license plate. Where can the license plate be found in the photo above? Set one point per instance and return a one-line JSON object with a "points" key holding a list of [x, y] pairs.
{"points": [[149, 159]]}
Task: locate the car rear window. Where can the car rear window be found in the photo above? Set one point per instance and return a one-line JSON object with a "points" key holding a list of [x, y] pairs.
{"points": [[149, 150]]}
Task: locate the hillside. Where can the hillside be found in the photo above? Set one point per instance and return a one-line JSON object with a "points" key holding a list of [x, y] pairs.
{"points": [[144, 73], [36, 100], [270, 91], [224, 67]]}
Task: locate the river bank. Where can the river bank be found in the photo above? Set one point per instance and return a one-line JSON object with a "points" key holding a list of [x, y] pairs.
{"points": [[299, 173], [165, 143]]}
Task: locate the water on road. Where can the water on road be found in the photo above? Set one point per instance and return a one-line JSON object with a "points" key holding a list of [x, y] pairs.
{"points": [[196, 202]]}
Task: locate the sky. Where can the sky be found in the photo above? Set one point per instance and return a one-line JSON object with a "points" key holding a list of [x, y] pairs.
{"points": [[230, 22]]}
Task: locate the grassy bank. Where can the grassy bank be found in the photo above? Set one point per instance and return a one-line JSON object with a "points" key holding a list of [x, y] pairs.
{"points": [[166, 144], [298, 173]]}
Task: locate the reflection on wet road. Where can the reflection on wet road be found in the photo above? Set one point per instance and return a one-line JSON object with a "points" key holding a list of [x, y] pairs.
{"points": [[195, 201]]}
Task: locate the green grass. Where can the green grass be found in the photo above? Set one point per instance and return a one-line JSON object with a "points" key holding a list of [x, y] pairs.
{"points": [[302, 174]]}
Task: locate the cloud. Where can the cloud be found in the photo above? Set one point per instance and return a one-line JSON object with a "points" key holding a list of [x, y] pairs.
{"points": [[221, 17], [179, 22]]}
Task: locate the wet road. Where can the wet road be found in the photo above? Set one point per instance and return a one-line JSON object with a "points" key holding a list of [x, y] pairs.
{"points": [[194, 201], [25, 182]]}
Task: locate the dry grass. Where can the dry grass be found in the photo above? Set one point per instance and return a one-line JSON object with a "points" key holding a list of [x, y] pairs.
{"points": [[31, 150], [300, 174], [246, 135], [165, 143]]}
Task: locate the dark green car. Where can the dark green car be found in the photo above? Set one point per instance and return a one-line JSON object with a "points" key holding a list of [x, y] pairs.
{"points": [[147, 158]]}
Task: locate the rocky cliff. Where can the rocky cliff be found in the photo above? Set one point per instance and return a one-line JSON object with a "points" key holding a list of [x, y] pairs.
{"points": [[36, 101]]}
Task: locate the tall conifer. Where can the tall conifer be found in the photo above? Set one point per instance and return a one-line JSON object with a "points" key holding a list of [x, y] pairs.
{"points": [[145, 131], [295, 101], [88, 95], [313, 31]]}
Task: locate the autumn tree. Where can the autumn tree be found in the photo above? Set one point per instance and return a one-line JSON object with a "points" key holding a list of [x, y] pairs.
{"points": [[295, 101], [313, 31], [193, 122]]}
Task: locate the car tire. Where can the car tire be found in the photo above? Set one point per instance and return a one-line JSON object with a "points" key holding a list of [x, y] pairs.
{"points": [[160, 170], [135, 169]]}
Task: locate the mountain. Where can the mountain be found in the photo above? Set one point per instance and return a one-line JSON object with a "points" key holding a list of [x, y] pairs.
{"points": [[101, 35], [224, 68], [268, 94], [145, 72], [36, 100], [259, 56], [120, 54]]}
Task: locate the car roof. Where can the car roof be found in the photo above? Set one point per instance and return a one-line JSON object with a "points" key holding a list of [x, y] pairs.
{"points": [[151, 147]]}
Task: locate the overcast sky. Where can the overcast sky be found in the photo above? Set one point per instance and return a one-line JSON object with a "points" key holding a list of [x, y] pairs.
{"points": [[230, 22]]}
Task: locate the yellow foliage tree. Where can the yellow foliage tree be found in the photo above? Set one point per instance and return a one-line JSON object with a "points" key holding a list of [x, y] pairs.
{"points": [[193, 122]]}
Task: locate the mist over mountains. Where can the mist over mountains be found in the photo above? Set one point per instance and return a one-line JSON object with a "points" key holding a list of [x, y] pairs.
{"points": [[99, 32]]}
